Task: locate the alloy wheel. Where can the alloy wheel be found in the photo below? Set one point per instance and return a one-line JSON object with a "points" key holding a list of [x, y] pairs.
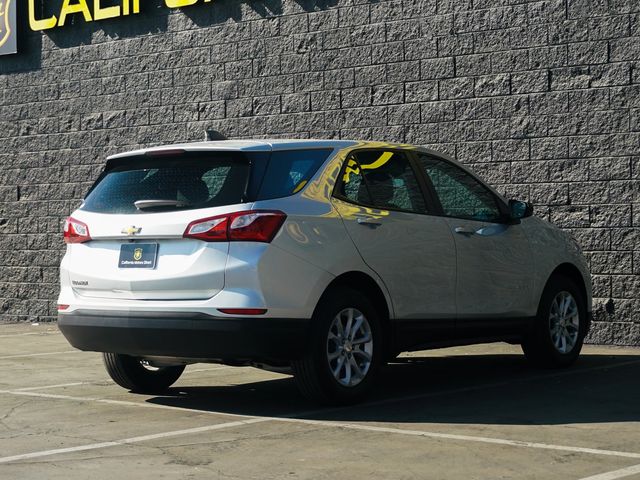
{"points": [[564, 322], [350, 347]]}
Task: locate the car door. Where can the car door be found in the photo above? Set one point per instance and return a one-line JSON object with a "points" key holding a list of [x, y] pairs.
{"points": [[383, 207], [494, 261]]}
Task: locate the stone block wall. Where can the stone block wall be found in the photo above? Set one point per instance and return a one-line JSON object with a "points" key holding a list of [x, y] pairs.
{"points": [[542, 98]]}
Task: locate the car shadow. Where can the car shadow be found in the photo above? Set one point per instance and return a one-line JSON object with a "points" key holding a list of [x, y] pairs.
{"points": [[461, 389]]}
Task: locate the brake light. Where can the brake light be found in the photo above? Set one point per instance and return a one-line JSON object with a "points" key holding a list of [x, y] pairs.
{"points": [[167, 152], [247, 226], [75, 231], [62, 307]]}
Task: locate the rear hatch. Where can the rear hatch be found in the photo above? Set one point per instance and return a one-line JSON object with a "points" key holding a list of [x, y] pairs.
{"points": [[138, 211]]}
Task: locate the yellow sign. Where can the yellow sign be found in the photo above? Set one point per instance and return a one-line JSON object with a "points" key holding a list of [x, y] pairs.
{"points": [[69, 7], [92, 10], [137, 254]]}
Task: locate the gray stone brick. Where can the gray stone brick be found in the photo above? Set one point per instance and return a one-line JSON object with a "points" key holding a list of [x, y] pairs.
{"points": [[584, 53], [625, 49], [437, 68], [473, 109], [492, 85], [462, 87], [421, 91], [509, 61], [530, 82], [569, 31], [388, 94], [467, 65], [406, 114], [356, 97], [437, 112]]}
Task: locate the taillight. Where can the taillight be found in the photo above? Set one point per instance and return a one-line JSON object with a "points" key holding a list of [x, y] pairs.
{"points": [[75, 231], [248, 226]]}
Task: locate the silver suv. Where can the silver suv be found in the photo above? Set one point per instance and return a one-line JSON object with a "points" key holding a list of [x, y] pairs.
{"points": [[322, 258]]}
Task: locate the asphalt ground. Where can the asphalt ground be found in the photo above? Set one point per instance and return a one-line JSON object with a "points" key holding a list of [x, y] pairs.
{"points": [[463, 413]]}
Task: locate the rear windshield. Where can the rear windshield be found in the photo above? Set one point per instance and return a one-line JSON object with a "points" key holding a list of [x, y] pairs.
{"points": [[200, 180]]}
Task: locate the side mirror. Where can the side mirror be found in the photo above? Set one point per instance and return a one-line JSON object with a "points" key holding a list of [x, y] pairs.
{"points": [[519, 209]]}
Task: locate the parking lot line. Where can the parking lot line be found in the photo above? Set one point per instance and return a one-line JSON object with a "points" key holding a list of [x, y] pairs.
{"points": [[25, 355], [615, 474], [108, 401], [290, 418], [466, 438], [504, 383], [42, 334], [128, 441], [248, 420], [46, 387]]}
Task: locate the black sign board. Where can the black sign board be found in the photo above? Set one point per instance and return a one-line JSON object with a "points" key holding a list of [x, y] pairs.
{"points": [[8, 33]]}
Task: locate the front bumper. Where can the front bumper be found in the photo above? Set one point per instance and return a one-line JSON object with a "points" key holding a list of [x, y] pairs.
{"points": [[186, 335]]}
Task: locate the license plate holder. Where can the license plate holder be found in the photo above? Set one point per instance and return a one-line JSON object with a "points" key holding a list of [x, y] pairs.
{"points": [[138, 255]]}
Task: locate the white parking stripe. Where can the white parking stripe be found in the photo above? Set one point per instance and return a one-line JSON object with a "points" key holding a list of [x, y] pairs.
{"points": [[467, 438], [290, 418], [623, 472], [46, 387], [543, 376], [25, 355], [128, 441], [30, 391], [108, 401], [43, 334]]}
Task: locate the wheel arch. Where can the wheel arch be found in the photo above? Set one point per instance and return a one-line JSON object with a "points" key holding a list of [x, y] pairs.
{"points": [[569, 270], [572, 272], [366, 284]]}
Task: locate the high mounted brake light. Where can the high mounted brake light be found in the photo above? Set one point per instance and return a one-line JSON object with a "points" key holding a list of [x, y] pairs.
{"points": [[166, 152], [247, 226], [75, 231]]}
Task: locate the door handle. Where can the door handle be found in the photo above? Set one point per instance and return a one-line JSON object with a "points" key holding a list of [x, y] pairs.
{"points": [[368, 223], [465, 231]]}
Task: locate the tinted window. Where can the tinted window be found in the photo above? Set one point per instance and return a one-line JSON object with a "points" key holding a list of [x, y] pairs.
{"points": [[202, 180], [289, 171], [382, 179], [460, 194], [190, 183]]}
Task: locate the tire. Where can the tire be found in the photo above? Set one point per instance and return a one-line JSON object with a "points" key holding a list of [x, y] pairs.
{"points": [[130, 373], [328, 349], [543, 345]]}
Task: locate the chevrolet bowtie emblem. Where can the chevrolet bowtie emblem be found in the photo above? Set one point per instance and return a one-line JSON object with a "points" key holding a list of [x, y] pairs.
{"points": [[132, 230]]}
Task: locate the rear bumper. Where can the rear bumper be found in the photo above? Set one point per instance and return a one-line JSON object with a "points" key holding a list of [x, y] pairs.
{"points": [[185, 335]]}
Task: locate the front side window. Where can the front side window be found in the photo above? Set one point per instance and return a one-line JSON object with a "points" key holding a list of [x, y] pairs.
{"points": [[381, 179], [461, 195]]}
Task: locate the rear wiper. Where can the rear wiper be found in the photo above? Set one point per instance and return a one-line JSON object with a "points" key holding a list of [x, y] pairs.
{"points": [[147, 204]]}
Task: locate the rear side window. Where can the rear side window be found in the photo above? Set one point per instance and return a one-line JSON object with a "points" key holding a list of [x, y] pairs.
{"points": [[289, 171], [200, 180], [382, 179]]}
